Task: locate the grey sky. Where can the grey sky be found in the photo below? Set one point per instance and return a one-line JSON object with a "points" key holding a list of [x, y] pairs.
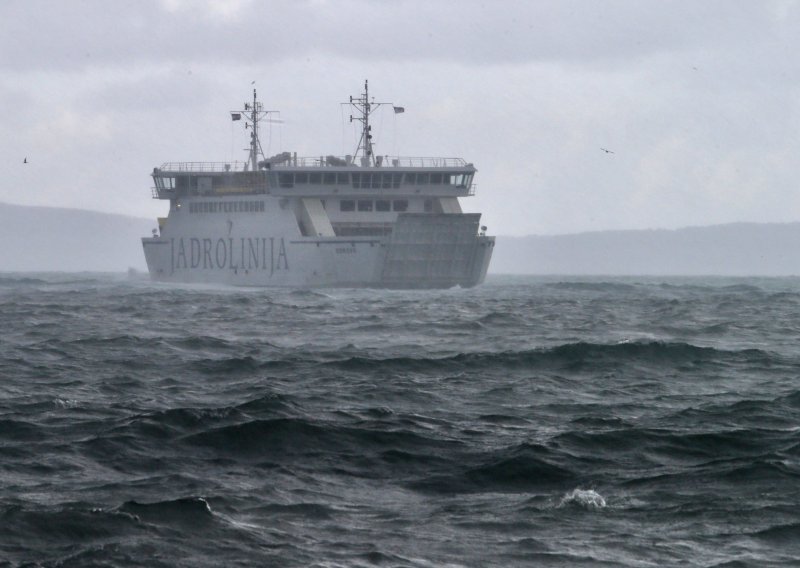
{"points": [[698, 100]]}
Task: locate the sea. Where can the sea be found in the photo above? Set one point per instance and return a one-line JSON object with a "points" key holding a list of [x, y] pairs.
{"points": [[531, 421]]}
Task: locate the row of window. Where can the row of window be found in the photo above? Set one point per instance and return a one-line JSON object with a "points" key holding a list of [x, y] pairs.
{"points": [[358, 180], [226, 207], [373, 180], [314, 178], [202, 183], [382, 205]]}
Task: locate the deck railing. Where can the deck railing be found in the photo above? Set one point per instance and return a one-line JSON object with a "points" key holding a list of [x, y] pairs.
{"points": [[387, 162], [209, 167]]}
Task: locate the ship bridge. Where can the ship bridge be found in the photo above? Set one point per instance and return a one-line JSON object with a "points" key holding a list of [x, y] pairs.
{"points": [[318, 176]]}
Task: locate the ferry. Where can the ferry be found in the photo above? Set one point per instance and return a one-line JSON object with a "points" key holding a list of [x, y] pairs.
{"points": [[361, 220]]}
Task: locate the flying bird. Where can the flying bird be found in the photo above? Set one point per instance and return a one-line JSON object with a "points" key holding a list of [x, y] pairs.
{"points": [[608, 151]]}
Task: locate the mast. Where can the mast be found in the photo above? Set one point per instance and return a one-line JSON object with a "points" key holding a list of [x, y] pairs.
{"points": [[255, 146], [253, 114], [364, 108]]}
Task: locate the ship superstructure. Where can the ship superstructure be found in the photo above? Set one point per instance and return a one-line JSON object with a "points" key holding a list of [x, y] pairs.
{"points": [[361, 220]]}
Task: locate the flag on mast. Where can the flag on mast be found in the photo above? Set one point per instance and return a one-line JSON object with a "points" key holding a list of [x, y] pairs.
{"points": [[236, 116], [398, 110]]}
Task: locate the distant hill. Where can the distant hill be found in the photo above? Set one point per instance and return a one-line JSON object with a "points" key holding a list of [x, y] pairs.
{"points": [[737, 249], [71, 240]]}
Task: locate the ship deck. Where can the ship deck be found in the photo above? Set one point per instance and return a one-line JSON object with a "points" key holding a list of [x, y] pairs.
{"points": [[342, 163]]}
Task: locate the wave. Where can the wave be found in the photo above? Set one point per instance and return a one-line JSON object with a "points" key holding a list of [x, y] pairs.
{"points": [[524, 467], [305, 511], [111, 341], [20, 431], [192, 418], [227, 365], [305, 293], [791, 399], [740, 473], [764, 416], [276, 438], [664, 444], [764, 470], [572, 355], [592, 286], [188, 418], [11, 281], [270, 404], [186, 510], [787, 534], [200, 342], [783, 296], [66, 524], [584, 498], [497, 318], [741, 288]]}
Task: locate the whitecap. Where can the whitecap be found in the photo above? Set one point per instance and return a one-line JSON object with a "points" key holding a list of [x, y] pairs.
{"points": [[587, 498]]}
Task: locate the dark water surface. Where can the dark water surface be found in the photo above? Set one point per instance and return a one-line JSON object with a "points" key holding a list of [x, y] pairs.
{"points": [[531, 421]]}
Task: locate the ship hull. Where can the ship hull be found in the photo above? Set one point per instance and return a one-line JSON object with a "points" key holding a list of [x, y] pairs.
{"points": [[266, 249]]}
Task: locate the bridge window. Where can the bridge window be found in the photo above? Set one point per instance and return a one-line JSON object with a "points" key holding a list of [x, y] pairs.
{"points": [[300, 177], [365, 205], [383, 205], [458, 180], [436, 178], [286, 180], [342, 179], [330, 179], [400, 204], [315, 178], [164, 182], [347, 205]]}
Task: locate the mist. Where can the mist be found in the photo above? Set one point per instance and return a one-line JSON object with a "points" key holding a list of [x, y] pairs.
{"points": [[44, 239]]}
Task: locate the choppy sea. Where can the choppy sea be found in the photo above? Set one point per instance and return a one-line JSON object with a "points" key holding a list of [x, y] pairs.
{"points": [[527, 422]]}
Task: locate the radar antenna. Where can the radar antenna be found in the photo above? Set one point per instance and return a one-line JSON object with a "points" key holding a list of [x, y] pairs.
{"points": [[364, 108], [253, 113]]}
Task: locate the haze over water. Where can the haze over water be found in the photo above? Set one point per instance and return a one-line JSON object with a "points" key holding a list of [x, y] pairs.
{"points": [[538, 421]]}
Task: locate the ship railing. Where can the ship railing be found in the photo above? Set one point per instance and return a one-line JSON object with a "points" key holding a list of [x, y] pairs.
{"points": [[203, 167], [316, 162], [422, 162], [382, 162]]}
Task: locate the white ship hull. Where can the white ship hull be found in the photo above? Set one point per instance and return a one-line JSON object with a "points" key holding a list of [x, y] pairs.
{"points": [[266, 248]]}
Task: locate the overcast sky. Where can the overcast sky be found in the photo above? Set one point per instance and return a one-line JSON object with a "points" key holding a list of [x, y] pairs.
{"points": [[699, 101]]}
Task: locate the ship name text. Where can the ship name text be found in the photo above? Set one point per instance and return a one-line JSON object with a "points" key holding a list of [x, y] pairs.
{"points": [[259, 253]]}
